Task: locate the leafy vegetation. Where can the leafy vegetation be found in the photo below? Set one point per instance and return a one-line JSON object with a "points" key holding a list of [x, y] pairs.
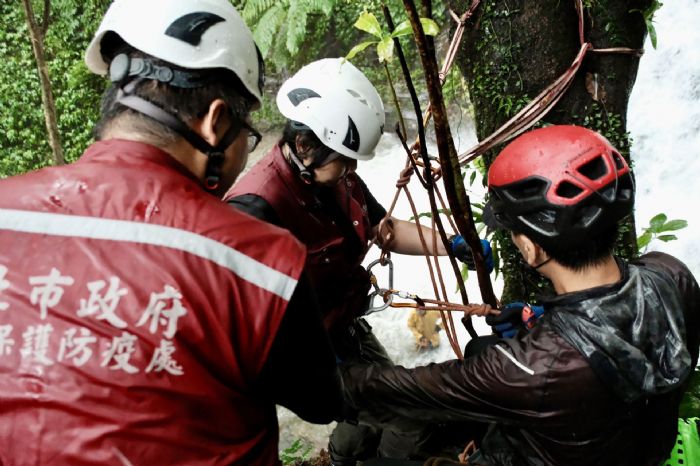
{"points": [[23, 137], [317, 34], [384, 41], [659, 228], [690, 406], [649, 19], [296, 452], [283, 24]]}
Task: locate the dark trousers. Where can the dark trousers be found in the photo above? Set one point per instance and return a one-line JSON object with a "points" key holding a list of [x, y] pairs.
{"points": [[349, 442]]}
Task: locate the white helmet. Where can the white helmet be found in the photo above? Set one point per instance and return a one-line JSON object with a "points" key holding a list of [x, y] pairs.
{"points": [[338, 103], [193, 34]]}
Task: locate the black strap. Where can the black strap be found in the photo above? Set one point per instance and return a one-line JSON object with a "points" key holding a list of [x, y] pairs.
{"points": [[123, 66], [215, 154]]}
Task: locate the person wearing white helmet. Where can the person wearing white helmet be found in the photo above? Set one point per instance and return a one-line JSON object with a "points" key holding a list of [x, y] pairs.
{"points": [[140, 320], [308, 185]]}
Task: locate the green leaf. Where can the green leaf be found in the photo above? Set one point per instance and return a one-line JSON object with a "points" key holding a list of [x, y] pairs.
{"points": [[667, 238], [465, 275], [657, 222], [673, 225], [644, 240], [421, 215], [472, 178], [652, 32], [359, 48], [430, 27], [385, 49], [368, 22], [402, 29]]}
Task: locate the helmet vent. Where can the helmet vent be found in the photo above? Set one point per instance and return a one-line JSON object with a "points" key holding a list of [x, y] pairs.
{"points": [[608, 193], [568, 190], [300, 94], [352, 137], [619, 163], [625, 190], [587, 215], [191, 27], [532, 188], [542, 221], [594, 169], [357, 95]]}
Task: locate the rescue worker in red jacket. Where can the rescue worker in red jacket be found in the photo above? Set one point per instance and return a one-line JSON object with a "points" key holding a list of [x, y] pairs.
{"points": [[142, 320], [599, 377], [308, 185]]}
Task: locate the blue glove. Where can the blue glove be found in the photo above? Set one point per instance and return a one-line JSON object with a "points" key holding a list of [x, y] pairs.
{"points": [[513, 317], [463, 252]]}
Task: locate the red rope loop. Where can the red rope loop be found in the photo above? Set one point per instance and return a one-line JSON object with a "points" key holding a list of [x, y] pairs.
{"points": [[404, 177]]}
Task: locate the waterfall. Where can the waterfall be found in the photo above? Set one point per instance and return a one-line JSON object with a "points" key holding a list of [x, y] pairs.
{"points": [[664, 122]]}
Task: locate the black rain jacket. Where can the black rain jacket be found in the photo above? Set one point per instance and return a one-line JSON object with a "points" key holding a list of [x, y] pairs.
{"points": [[597, 381]]}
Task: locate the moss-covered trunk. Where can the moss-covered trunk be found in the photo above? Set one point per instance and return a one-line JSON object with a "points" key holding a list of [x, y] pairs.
{"points": [[513, 49]]}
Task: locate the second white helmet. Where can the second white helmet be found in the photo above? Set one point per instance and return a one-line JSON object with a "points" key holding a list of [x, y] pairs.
{"points": [[193, 34], [338, 103]]}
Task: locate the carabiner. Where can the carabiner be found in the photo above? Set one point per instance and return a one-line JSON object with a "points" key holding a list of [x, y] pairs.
{"points": [[377, 290]]}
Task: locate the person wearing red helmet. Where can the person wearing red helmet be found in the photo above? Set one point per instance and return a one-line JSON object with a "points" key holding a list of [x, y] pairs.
{"points": [[597, 378]]}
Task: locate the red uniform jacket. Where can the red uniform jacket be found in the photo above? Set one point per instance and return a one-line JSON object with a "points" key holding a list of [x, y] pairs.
{"points": [[338, 278], [136, 312]]}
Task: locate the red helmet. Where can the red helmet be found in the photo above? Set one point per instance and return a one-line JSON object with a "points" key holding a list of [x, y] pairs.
{"points": [[558, 185]]}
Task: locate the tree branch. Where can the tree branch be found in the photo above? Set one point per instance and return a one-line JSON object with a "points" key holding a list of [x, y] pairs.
{"points": [[454, 188]]}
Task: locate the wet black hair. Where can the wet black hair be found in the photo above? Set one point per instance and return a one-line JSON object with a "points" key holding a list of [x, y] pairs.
{"points": [[590, 251], [292, 129]]}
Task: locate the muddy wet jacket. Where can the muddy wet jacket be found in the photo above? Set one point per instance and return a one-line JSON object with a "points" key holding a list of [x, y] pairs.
{"points": [[136, 313], [333, 264], [597, 381]]}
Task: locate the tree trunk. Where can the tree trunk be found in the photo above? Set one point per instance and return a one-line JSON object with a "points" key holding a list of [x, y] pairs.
{"points": [[512, 50], [36, 34]]}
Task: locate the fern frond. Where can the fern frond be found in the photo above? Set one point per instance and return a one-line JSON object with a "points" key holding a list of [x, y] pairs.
{"points": [[253, 9], [279, 54], [321, 6], [268, 27], [296, 25]]}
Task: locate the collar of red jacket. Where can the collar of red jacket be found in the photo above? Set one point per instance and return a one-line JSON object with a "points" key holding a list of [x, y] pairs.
{"points": [[138, 154]]}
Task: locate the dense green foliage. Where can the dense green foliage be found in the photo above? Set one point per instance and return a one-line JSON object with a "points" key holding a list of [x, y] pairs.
{"points": [[292, 33], [23, 138]]}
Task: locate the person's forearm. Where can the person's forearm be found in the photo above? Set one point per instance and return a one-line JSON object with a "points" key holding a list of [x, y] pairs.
{"points": [[384, 395], [408, 240]]}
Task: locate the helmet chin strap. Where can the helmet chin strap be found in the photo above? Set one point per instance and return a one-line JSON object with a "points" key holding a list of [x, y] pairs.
{"points": [[546, 261], [215, 154], [306, 172]]}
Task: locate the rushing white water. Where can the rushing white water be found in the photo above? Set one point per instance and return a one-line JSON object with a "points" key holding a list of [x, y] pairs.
{"points": [[664, 121]]}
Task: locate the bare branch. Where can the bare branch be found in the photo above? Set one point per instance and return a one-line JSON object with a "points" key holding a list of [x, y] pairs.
{"points": [[44, 26]]}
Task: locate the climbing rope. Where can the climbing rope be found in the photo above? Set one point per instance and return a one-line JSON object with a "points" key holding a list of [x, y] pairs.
{"points": [[546, 100], [522, 121]]}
